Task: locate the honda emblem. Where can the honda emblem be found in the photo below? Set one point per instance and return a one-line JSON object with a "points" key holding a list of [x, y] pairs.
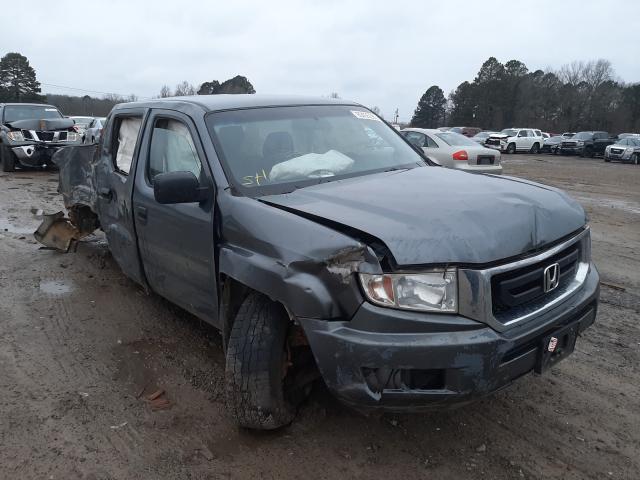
{"points": [[553, 343], [551, 277]]}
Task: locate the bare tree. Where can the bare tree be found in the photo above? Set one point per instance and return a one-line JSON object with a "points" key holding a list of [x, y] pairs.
{"points": [[184, 89], [165, 92], [334, 95]]}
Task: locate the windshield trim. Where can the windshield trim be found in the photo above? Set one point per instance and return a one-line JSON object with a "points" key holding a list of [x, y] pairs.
{"points": [[288, 187]]}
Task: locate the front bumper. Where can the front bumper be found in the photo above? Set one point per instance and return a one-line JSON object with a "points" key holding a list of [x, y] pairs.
{"points": [[501, 148], [405, 361], [571, 150], [36, 154], [621, 157]]}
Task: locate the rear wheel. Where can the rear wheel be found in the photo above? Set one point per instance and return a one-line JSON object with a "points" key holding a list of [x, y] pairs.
{"points": [[8, 159], [511, 148], [261, 368], [535, 149]]}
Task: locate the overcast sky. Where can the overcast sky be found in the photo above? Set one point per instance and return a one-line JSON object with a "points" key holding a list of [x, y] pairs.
{"points": [[376, 52]]}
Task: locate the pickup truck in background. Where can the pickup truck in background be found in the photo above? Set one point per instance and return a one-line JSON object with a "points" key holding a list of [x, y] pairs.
{"points": [[587, 144], [31, 133], [321, 243]]}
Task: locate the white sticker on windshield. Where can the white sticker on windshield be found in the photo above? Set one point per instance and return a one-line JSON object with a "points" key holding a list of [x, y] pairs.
{"points": [[365, 115], [50, 110]]}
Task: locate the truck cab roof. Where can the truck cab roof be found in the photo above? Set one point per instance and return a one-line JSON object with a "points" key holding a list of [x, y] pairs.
{"points": [[211, 103]]}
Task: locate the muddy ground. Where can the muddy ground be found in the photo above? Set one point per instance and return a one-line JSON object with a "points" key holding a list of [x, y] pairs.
{"points": [[82, 347]]}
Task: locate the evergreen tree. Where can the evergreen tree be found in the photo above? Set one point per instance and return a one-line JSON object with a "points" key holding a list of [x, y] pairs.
{"points": [[431, 109], [18, 80]]}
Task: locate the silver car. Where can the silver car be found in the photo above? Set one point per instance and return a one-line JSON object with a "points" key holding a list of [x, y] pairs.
{"points": [[94, 130], [453, 150], [625, 150]]}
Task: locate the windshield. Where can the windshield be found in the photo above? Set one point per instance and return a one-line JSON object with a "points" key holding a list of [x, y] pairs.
{"points": [[481, 135], [510, 132], [276, 150], [29, 112], [583, 136], [455, 139], [82, 120]]}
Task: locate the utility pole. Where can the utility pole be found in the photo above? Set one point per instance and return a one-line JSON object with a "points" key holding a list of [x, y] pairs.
{"points": [[395, 117]]}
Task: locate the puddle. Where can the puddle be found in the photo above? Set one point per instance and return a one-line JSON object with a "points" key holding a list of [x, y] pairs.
{"points": [[7, 226], [53, 287]]}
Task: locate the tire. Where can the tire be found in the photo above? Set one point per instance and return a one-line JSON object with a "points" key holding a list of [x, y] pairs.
{"points": [[607, 160], [511, 148], [635, 159], [588, 152], [535, 148], [256, 366], [8, 159]]}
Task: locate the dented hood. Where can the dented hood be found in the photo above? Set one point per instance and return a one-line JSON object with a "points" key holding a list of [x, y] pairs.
{"points": [[434, 215], [44, 124]]}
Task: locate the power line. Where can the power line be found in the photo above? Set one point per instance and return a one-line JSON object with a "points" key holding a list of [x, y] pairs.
{"points": [[89, 91]]}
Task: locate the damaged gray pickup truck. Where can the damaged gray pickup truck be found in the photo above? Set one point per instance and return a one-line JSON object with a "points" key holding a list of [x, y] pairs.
{"points": [[321, 243], [30, 133]]}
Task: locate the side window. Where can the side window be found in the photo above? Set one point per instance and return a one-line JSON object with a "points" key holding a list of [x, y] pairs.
{"points": [[537, 133], [416, 138], [172, 149], [125, 138], [523, 133], [431, 143]]}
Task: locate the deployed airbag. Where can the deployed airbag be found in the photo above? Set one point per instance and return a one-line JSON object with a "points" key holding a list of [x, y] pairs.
{"points": [[311, 165]]}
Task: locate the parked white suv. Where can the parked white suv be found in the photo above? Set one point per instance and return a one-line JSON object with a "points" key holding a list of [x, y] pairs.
{"points": [[511, 140]]}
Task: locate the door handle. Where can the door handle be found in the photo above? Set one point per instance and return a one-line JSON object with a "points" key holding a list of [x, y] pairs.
{"points": [[141, 213], [105, 193]]}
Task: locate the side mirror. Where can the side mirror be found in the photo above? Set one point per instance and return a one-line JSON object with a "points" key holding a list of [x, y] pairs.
{"points": [[178, 187]]}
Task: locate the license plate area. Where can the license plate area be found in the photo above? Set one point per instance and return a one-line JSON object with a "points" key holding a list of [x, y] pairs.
{"points": [[556, 346], [486, 160]]}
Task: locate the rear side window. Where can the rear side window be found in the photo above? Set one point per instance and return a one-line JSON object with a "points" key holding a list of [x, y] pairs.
{"points": [[172, 149], [125, 139], [416, 138], [431, 143]]}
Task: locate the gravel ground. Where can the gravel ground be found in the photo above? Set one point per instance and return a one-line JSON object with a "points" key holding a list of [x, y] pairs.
{"points": [[82, 348]]}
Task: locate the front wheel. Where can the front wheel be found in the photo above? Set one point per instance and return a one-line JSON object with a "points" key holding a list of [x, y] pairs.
{"points": [[258, 364], [588, 152], [635, 159], [511, 148]]}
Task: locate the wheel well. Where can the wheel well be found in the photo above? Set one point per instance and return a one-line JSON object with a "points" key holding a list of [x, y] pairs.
{"points": [[232, 295]]}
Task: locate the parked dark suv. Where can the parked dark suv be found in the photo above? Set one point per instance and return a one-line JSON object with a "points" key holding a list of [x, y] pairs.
{"points": [[316, 238]]}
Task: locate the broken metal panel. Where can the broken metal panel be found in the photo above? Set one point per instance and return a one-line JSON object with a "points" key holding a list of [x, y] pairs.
{"points": [[58, 232], [309, 271], [77, 183]]}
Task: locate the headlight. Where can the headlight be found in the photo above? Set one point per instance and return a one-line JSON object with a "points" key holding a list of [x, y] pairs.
{"points": [[15, 136], [579, 143], [432, 292], [72, 137]]}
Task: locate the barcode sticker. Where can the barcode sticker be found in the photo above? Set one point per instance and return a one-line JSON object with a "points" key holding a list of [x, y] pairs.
{"points": [[365, 115]]}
